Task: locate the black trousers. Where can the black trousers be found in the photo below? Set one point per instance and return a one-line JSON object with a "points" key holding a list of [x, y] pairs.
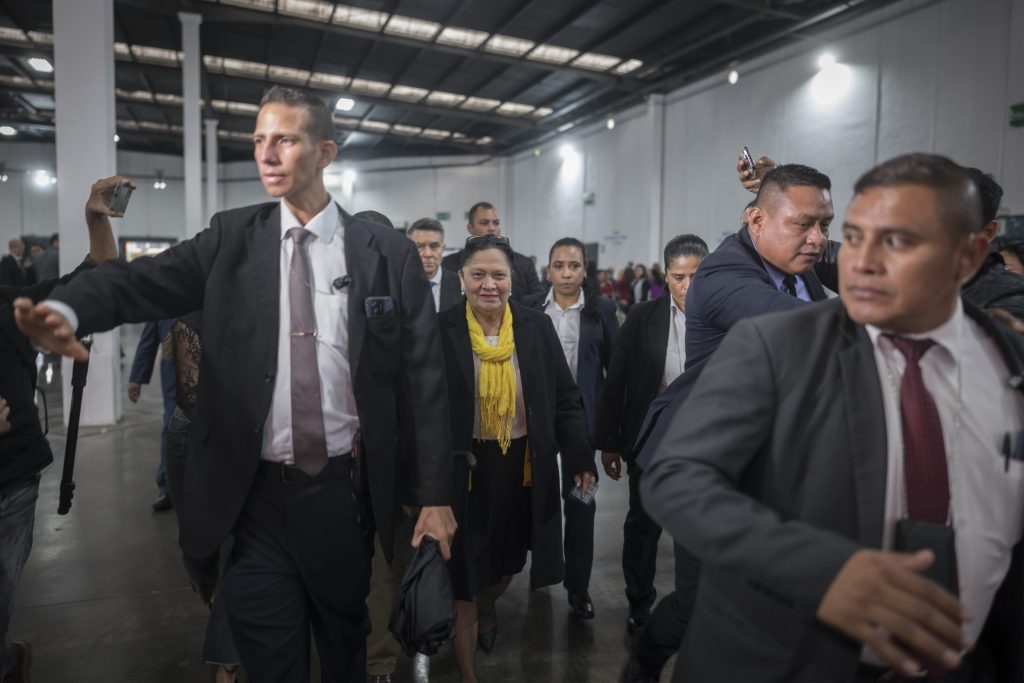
{"points": [[662, 635], [639, 547], [301, 559], [579, 537]]}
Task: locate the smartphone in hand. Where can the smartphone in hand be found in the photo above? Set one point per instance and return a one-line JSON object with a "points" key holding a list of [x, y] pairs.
{"points": [[119, 199], [750, 161]]}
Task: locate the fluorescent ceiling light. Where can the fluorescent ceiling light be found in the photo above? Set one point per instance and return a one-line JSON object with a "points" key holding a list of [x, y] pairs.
{"points": [[435, 134], [347, 121], [565, 126], [628, 67], [406, 130], [8, 131], [157, 55], [462, 37], [514, 109], [408, 93], [485, 140], [411, 28], [289, 75], [445, 99], [122, 51], [507, 45], [375, 126], [595, 62], [261, 5], [13, 35], [541, 112], [41, 65], [40, 37], [314, 10], [480, 104], [552, 54], [371, 87], [242, 67], [356, 17], [329, 81], [344, 104]]}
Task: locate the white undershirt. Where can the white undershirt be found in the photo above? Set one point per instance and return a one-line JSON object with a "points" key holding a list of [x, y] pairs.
{"points": [[675, 352], [987, 502], [567, 325], [326, 262]]}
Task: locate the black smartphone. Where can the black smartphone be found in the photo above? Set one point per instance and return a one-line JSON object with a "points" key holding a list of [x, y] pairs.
{"points": [[749, 159], [119, 199]]}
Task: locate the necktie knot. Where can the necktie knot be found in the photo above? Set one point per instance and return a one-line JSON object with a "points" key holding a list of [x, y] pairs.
{"points": [[299, 235], [912, 349], [789, 284]]}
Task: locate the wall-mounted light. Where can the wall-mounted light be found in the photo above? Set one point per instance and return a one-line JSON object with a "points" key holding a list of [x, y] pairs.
{"points": [[41, 65], [42, 179], [3, 173], [8, 131], [159, 183], [117, 138], [733, 77], [610, 123], [832, 81], [345, 104], [536, 151]]}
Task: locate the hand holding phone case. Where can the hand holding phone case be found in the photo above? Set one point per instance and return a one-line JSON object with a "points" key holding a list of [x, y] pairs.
{"points": [[912, 536]]}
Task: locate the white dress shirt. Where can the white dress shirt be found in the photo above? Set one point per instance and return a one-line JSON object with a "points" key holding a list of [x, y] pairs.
{"points": [[966, 376], [435, 289], [519, 421], [567, 325], [675, 352], [327, 262]]}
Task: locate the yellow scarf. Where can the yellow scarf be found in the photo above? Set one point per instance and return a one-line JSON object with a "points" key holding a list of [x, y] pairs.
{"points": [[497, 379]]}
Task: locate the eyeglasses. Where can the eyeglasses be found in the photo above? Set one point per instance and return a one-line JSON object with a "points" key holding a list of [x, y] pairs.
{"points": [[488, 239]]}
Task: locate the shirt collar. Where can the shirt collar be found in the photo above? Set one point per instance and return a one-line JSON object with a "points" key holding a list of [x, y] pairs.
{"points": [[946, 335], [674, 308], [326, 225], [436, 280], [550, 299]]}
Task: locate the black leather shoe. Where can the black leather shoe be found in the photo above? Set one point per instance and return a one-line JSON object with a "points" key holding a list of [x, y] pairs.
{"points": [[487, 639], [637, 619], [581, 605], [162, 504]]}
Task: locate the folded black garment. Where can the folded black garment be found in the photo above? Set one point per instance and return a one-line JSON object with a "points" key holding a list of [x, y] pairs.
{"points": [[424, 616]]}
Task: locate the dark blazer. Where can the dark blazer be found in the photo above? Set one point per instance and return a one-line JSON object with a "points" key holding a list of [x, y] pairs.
{"points": [[451, 290], [231, 271], [146, 353], [634, 375], [23, 450], [524, 275], [996, 287], [554, 421], [775, 476], [731, 284], [11, 272], [598, 329]]}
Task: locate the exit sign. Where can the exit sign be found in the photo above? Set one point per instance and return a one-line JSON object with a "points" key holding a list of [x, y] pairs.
{"points": [[444, 215]]}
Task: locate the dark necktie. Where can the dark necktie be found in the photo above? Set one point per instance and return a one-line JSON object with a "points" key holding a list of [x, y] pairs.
{"points": [[309, 446], [924, 451], [789, 284]]}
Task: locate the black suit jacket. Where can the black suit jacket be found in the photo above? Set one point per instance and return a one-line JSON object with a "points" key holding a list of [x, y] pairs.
{"points": [[231, 271], [11, 272], [773, 476], [524, 275], [451, 290], [554, 421], [634, 375], [598, 328]]}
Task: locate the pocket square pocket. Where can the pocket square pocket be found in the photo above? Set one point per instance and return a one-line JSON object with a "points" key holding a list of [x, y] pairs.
{"points": [[376, 306]]}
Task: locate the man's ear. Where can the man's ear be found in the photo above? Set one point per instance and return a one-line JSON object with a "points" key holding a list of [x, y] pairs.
{"points": [[972, 255], [755, 221], [328, 151]]}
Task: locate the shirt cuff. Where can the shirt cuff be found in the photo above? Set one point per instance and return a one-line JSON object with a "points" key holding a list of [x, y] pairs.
{"points": [[63, 309]]}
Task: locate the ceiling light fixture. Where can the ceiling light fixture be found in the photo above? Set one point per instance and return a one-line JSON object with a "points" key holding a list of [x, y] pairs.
{"points": [[41, 65], [733, 77], [610, 123], [826, 60], [345, 104], [117, 138], [8, 131]]}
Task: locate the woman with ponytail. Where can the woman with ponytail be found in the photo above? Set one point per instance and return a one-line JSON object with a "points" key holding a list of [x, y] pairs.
{"points": [[514, 406]]}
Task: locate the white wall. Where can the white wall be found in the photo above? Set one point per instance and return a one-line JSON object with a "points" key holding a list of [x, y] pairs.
{"points": [[927, 76]]}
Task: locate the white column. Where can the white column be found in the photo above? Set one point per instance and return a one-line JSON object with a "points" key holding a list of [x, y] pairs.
{"points": [[656, 174], [190, 119], [83, 33], [211, 171]]}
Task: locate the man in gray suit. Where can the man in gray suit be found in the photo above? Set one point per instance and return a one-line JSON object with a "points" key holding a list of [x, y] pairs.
{"points": [[813, 435]]}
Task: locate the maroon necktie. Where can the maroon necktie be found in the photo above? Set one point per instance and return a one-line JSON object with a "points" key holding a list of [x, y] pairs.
{"points": [[924, 452], [309, 446]]}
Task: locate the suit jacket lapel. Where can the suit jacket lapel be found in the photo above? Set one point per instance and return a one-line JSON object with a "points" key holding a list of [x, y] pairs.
{"points": [[361, 266], [265, 249], [865, 419], [523, 330], [458, 332], [814, 286], [657, 338]]}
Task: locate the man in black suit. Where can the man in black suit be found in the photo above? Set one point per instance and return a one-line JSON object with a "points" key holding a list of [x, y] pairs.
{"points": [[843, 432], [648, 355], [484, 220], [12, 274], [319, 341], [428, 235], [586, 326]]}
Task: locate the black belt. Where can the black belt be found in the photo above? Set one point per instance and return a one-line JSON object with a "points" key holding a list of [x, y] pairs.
{"points": [[337, 465]]}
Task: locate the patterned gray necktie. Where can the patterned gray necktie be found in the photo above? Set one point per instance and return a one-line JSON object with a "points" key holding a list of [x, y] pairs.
{"points": [[309, 446]]}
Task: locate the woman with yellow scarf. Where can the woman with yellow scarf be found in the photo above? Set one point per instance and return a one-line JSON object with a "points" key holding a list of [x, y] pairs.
{"points": [[515, 407]]}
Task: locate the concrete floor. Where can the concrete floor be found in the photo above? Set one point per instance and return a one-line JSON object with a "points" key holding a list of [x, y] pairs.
{"points": [[104, 596]]}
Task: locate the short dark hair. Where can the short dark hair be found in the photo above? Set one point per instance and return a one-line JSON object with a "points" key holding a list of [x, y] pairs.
{"points": [[569, 242], [428, 224], [960, 204], [319, 124], [54, 238], [785, 176], [481, 243], [1014, 245], [684, 245], [477, 207], [990, 192], [375, 217]]}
